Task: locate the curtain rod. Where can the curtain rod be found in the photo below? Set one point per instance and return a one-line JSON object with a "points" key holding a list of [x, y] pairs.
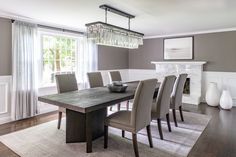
{"points": [[57, 28]]}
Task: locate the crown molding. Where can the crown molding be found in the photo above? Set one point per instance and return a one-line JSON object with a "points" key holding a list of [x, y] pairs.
{"points": [[12, 16], [8, 15], [192, 33]]}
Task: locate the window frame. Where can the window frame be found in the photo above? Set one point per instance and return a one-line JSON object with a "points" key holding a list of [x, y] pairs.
{"points": [[61, 34]]}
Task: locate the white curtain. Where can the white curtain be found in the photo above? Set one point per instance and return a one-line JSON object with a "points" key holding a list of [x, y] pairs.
{"points": [[24, 57], [87, 60]]}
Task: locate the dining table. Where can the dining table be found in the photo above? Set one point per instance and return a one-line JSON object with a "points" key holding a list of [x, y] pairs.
{"points": [[86, 110]]}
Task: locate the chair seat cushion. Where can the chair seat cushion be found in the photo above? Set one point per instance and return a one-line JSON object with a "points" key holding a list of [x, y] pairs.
{"points": [[120, 120], [154, 106], [172, 105], [154, 113]]}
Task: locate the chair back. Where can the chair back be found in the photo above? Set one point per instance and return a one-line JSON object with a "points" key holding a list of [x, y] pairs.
{"points": [[95, 79], [115, 76], [66, 83], [142, 104], [164, 96], [178, 90]]}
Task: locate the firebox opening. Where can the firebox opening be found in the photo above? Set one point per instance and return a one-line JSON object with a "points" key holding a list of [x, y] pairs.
{"points": [[187, 86]]}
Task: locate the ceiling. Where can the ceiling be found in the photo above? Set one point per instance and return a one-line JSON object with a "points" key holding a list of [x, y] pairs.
{"points": [[153, 17]]}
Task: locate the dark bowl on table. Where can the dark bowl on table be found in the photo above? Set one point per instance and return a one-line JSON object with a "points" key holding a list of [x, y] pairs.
{"points": [[117, 89]]}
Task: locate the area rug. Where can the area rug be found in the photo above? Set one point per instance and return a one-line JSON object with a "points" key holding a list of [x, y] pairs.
{"points": [[46, 140]]}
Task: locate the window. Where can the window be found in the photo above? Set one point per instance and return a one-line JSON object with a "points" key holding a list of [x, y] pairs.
{"points": [[58, 56]]}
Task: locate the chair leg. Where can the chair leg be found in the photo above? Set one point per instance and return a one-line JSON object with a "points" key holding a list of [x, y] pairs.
{"points": [[149, 136], [105, 136], [123, 133], [174, 117], [159, 128], [127, 105], [135, 144], [59, 120], [181, 113], [168, 121], [118, 107]]}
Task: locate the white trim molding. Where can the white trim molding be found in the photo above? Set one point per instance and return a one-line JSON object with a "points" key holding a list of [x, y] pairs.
{"points": [[192, 33], [5, 98]]}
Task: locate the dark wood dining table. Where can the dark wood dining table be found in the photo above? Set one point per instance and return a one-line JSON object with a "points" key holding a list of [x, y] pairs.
{"points": [[86, 110]]}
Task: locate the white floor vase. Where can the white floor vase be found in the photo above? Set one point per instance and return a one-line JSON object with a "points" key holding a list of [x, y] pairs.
{"points": [[212, 95], [226, 101]]}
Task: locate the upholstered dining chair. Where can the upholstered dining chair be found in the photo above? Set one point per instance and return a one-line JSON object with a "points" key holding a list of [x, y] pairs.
{"points": [[95, 79], [65, 83], [176, 97], [160, 108], [116, 76], [133, 121]]}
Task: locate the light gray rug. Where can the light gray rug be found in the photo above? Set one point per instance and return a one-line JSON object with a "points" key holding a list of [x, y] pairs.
{"points": [[46, 141]]}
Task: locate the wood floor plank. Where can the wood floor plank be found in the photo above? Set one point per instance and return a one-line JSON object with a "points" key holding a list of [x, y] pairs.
{"points": [[6, 152]]}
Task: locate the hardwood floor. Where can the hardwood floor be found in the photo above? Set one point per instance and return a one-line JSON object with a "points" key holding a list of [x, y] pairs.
{"points": [[217, 140]]}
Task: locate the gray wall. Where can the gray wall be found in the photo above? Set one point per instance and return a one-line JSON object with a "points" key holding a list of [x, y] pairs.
{"points": [[218, 49], [5, 47], [151, 50], [108, 57], [112, 58]]}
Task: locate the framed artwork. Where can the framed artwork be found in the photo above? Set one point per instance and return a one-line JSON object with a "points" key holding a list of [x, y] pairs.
{"points": [[180, 48]]}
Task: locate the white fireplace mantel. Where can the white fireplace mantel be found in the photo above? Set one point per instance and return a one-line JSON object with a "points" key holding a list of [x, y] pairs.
{"points": [[181, 62], [194, 70]]}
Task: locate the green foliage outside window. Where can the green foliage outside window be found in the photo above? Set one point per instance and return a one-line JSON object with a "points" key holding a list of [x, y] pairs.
{"points": [[59, 56]]}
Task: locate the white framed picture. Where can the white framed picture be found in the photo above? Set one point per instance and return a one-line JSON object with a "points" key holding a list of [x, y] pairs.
{"points": [[178, 48]]}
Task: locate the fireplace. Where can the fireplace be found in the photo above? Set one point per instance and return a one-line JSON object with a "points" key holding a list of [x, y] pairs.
{"points": [[193, 86], [187, 87]]}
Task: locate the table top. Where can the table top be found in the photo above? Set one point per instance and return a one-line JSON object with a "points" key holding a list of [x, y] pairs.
{"points": [[92, 99]]}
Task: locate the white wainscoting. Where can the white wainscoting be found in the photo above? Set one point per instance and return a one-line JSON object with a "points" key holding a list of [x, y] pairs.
{"points": [[224, 80], [129, 74], [5, 98]]}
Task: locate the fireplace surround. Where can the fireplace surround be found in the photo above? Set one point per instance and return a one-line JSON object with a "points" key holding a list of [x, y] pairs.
{"points": [[194, 70]]}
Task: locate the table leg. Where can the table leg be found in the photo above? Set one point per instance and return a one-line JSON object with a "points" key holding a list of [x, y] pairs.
{"points": [[75, 126], [84, 127], [89, 135]]}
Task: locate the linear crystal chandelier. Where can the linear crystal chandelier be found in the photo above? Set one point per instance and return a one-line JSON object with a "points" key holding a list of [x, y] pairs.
{"points": [[106, 34]]}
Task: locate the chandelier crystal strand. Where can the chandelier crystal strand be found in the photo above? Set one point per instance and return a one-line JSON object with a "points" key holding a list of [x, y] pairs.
{"points": [[111, 35], [107, 35]]}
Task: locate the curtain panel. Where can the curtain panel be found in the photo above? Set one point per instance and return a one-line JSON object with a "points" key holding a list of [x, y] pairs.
{"points": [[87, 60], [24, 58]]}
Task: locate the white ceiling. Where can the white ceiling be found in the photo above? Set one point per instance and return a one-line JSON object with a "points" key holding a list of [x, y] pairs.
{"points": [[153, 17]]}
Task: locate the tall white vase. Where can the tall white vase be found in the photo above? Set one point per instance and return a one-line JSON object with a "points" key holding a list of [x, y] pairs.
{"points": [[226, 101], [212, 94]]}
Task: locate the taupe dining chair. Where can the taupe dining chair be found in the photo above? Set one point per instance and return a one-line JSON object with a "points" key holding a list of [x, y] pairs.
{"points": [[65, 83], [176, 97], [160, 108], [116, 76], [133, 121], [95, 79]]}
